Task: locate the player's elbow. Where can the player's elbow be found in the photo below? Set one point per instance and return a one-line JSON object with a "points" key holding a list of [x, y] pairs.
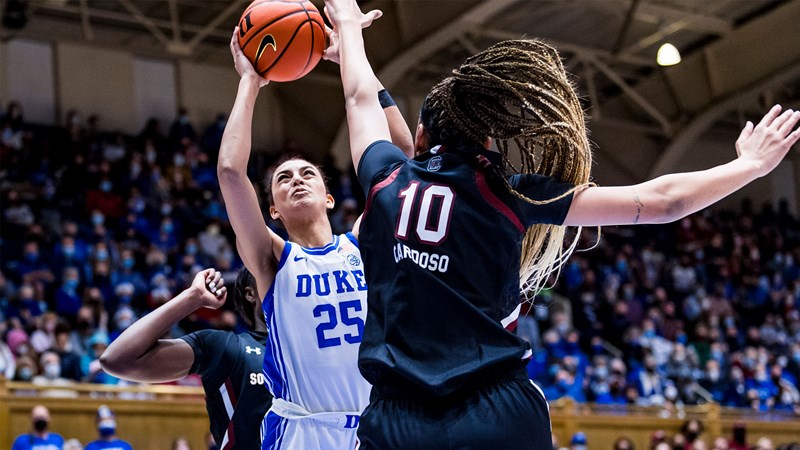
{"points": [[668, 208], [114, 363], [227, 170]]}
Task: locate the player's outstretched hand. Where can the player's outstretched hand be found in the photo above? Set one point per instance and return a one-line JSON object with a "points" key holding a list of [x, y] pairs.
{"points": [[332, 50], [768, 142], [243, 65], [209, 287], [340, 11]]}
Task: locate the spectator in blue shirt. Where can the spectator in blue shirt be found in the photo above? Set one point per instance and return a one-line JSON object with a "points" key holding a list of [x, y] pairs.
{"points": [[107, 430], [39, 438]]}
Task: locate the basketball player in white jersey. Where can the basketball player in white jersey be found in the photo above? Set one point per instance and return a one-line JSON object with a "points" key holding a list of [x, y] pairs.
{"points": [[312, 286]]}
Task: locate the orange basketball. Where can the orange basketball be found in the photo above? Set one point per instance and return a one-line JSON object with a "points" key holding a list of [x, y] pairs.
{"points": [[284, 39]]}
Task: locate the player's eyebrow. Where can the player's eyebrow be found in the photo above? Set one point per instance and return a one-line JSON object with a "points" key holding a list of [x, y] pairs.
{"points": [[300, 169]]}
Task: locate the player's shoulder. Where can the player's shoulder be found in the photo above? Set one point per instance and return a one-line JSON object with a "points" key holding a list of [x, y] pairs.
{"points": [[210, 338], [251, 336]]}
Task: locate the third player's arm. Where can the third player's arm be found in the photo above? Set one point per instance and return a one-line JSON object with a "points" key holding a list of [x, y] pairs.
{"points": [[139, 353], [671, 197], [398, 128], [366, 121]]}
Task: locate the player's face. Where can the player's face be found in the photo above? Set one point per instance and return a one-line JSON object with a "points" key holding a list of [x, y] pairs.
{"points": [[299, 189]]}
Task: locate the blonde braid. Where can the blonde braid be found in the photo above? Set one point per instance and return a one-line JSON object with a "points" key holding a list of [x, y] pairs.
{"points": [[517, 92]]}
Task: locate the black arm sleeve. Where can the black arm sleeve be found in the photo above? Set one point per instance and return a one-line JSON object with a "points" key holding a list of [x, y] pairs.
{"points": [[376, 159], [540, 187]]}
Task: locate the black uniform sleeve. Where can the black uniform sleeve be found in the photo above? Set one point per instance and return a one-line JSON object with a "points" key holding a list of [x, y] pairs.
{"points": [[379, 156], [208, 347], [540, 187]]}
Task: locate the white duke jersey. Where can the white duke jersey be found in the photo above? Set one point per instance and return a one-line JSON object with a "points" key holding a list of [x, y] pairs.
{"points": [[315, 312]]}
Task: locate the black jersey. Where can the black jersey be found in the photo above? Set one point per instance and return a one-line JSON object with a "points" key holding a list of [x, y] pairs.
{"points": [[441, 240], [236, 397]]}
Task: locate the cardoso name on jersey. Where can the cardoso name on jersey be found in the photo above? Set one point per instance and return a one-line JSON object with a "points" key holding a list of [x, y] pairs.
{"points": [[431, 261]]}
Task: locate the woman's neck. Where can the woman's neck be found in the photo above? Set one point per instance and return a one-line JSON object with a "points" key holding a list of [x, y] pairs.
{"points": [[311, 234]]}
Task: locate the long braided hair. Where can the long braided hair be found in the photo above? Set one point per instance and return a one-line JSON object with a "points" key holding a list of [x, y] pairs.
{"points": [[518, 93]]}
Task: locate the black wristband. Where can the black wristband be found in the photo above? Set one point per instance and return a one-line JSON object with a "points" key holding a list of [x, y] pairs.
{"points": [[385, 99]]}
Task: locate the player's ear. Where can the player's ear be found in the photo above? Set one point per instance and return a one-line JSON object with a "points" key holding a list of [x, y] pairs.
{"points": [[274, 213], [250, 295], [421, 140], [329, 201], [487, 144]]}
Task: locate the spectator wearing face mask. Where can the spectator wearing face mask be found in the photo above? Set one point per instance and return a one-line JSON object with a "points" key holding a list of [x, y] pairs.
{"points": [[107, 432], [39, 437], [68, 295], [578, 441], [50, 363]]}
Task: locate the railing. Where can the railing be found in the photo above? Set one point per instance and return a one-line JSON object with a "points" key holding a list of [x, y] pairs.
{"points": [[151, 416], [148, 416]]}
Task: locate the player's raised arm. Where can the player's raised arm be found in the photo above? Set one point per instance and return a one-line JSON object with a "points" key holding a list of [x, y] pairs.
{"points": [[670, 197], [138, 354], [241, 201], [398, 128], [365, 118]]}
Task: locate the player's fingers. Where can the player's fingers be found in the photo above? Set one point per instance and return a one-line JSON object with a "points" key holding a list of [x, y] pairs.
{"points": [[789, 123], [214, 281], [793, 138], [221, 292], [770, 116], [746, 131], [371, 16], [781, 119]]}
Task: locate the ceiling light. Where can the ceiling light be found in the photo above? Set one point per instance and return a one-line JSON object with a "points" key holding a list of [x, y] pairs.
{"points": [[668, 55]]}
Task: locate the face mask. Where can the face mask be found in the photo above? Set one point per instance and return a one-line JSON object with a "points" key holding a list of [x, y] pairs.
{"points": [[69, 251], [601, 372], [127, 263], [151, 156], [70, 285], [52, 370], [40, 425], [166, 210], [123, 324], [191, 249], [105, 186], [98, 219], [167, 227], [106, 431], [138, 205], [32, 256], [23, 350], [25, 374], [179, 160], [102, 255]]}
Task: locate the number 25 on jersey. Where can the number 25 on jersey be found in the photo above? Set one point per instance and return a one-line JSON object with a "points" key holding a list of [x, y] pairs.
{"points": [[326, 337]]}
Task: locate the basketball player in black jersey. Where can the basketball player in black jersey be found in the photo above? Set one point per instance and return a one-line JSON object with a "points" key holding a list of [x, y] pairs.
{"points": [[228, 363], [449, 239]]}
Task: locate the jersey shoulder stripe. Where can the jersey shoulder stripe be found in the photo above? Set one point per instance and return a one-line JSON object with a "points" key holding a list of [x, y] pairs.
{"points": [[377, 188], [492, 199]]}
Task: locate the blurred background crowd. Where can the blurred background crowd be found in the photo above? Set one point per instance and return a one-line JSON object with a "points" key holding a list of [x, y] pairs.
{"points": [[97, 228]]}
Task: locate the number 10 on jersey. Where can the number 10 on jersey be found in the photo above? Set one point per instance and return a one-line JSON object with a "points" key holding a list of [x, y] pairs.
{"points": [[431, 232]]}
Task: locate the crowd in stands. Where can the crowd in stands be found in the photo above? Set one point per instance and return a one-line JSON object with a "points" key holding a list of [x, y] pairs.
{"points": [[706, 309], [98, 228], [691, 436]]}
